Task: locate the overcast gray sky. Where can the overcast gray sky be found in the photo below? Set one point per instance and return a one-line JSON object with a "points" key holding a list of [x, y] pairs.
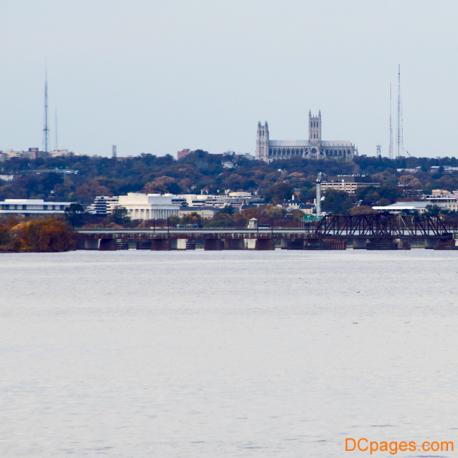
{"points": [[157, 76]]}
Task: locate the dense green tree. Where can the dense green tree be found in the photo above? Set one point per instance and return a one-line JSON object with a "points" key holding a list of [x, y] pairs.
{"points": [[75, 215], [120, 216], [337, 202]]}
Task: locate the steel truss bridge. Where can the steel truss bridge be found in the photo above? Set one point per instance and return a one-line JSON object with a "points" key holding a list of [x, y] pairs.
{"points": [[381, 225]]}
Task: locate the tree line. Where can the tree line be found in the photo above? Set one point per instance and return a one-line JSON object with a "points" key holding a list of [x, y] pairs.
{"points": [[81, 178], [49, 234]]}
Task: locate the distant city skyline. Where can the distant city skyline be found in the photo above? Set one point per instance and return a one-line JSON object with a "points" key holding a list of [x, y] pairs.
{"points": [[157, 77]]}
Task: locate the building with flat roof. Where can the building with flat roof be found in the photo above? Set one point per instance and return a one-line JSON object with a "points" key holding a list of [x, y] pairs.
{"points": [[183, 153], [149, 206], [31, 207], [398, 207], [348, 186], [234, 199], [203, 212], [443, 199], [103, 205]]}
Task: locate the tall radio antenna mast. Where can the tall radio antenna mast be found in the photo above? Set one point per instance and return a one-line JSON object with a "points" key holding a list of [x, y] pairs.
{"points": [[399, 120], [56, 147], [45, 123], [390, 149]]}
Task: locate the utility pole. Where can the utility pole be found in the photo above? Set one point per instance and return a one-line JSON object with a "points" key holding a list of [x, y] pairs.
{"points": [[318, 195]]}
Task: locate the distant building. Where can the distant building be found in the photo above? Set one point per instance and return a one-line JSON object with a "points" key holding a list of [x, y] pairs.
{"points": [[149, 206], [162, 206], [203, 212], [34, 153], [347, 184], [443, 199], [183, 153], [295, 205], [29, 207], [445, 168], [61, 153], [409, 170], [228, 164], [30, 153], [6, 177], [103, 205], [398, 207], [234, 199], [314, 148]]}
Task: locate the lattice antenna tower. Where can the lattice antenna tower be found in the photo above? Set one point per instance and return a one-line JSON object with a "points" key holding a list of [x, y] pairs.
{"points": [[400, 135], [56, 135], [45, 121], [390, 148]]}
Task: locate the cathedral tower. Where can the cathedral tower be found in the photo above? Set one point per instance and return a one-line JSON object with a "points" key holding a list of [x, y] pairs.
{"points": [[315, 128], [262, 142]]}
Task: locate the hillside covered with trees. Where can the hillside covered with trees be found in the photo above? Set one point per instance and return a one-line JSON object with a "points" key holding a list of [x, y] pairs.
{"points": [[81, 178]]}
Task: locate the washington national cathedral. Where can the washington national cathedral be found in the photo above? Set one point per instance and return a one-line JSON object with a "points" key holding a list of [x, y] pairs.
{"points": [[314, 148]]}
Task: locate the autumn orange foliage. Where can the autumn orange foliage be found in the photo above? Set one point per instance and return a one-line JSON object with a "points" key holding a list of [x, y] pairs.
{"points": [[36, 234]]}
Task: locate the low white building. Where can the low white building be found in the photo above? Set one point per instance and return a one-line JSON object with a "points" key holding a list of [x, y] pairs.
{"points": [[235, 199], [349, 186], [203, 212], [444, 199], [103, 205], [32, 207], [398, 207], [149, 206]]}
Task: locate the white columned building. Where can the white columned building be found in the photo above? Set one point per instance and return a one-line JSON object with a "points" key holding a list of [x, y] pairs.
{"points": [[148, 206]]}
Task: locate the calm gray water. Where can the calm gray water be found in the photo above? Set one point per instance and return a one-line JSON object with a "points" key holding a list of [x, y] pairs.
{"points": [[225, 354]]}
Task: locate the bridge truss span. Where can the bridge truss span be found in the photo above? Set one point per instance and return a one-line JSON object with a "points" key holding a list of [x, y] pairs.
{"points": [[382, 225]]}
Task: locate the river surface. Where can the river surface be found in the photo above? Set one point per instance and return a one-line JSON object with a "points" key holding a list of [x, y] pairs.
{"points": [[226, 354]]}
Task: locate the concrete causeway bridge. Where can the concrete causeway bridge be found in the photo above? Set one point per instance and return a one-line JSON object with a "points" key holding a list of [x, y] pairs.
{"points": [[333, 232]]}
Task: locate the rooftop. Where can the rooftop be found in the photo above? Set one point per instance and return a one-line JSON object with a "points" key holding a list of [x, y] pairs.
{"points": [[399, 206]]}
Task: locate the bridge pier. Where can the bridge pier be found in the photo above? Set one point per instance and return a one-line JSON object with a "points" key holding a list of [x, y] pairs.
{"points": [[107, 245], [445, 244], [250, 244], [89, 244], [234, 244], [132, 245], [264, 244], [430, 244], [381, 244], [296, 244], [144, 245], [213, 244], [312, 244], [181, 244], [190, 244], [334, 244], [403, 244], [325, 244], [160, 244], [359, 244]]}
